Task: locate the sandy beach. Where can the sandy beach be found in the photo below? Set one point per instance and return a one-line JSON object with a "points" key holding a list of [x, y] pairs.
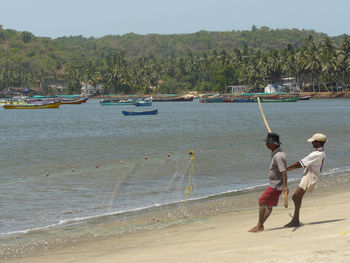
{"points": [[323, 237]]}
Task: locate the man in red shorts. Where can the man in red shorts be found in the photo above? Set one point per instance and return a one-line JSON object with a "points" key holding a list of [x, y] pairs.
{"points": [[278, 180]]}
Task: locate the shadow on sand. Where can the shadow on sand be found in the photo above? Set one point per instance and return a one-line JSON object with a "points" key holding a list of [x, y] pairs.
{"points": [[311, 223]]}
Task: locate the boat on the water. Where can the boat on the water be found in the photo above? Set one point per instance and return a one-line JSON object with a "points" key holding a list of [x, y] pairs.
{"points": [[144, 102], [171, 97], [152, 112], [240, 100], [286, 99], [50, 105], [75, 101], [217, 99], [116, 102], [305, 98]]}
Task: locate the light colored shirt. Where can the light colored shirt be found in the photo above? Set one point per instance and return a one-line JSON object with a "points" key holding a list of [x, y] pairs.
{"points": [[277, 166], [313, 164]]}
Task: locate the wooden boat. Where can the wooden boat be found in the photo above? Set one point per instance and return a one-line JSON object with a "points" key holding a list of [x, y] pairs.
{"points": [[287, 99], [172, 98], [144, 102], [242, 100], [116, 102], [43, 101], [305, 98], [152, 112], [52, 105], [211, 100], [75, 101]]}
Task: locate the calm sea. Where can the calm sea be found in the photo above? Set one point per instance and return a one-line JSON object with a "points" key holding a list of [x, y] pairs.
{"points": [[101, 163]]}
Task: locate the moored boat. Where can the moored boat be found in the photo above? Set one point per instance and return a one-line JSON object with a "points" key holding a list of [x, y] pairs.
{"points": [[116, 102], [287, 99], [172, 98], [50, 105], [75, 101], [211, 100], [144, 102], [305, 98], [152, 112]]}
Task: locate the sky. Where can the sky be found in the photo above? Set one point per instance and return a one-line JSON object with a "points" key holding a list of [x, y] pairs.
{"points": [[97, 18]]}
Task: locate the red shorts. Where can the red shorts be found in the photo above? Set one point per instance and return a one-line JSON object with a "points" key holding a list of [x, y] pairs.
{"points": [[270, 197]]}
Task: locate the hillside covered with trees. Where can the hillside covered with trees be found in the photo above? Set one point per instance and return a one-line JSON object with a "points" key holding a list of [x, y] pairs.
{"points": [[202, 61]]}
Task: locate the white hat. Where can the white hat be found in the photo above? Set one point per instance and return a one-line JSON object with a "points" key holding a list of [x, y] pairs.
{"points": [[317, 137]]}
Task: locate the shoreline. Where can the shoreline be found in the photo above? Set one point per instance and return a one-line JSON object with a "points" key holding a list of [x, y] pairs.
{"points": [[314, 95], [218, 228]]}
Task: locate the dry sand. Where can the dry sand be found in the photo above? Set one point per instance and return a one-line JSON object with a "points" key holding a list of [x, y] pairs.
{"points": [[323, 237]]}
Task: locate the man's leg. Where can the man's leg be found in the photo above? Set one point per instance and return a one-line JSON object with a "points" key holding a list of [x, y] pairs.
{"points": [[264, 213], [297, 197]]}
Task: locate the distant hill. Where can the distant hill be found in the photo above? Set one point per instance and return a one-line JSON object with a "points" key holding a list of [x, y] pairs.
{"points": [[205, 60], [163, 46], [18, 47]]}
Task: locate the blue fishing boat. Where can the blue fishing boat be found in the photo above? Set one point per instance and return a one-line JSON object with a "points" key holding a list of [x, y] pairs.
{"points": [[152, 112]]}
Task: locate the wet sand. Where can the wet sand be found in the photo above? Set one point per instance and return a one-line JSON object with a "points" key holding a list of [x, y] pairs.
{"points": [[221, 235]]}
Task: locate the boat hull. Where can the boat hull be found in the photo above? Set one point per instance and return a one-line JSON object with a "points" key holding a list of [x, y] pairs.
{"points": [[295, 99], [27, 106], [152, 112], [116, 103], [142, 104], [79, 101]]}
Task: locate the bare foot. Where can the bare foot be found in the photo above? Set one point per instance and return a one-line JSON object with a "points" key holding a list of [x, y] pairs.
{"points": [[292, 224], [257, 228]]}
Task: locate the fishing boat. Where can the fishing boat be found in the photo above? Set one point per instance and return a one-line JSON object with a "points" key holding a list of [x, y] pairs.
{"points": [[286, 99], [240, 100], [49, 105], [171, 98], [75, 101], [211, 100], [152, 112], [144, 102], [305, 98], [116, 102]]}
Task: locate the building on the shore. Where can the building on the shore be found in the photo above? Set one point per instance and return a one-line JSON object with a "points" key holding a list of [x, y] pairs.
{"points": [[89, 90], [239, 89], [291, 85]]}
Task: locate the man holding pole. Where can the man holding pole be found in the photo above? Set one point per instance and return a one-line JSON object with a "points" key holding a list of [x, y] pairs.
{"points": [[278, 181], [313, 164]]}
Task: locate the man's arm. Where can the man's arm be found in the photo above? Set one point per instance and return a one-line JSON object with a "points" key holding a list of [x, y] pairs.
{"points": [[294, 166]]}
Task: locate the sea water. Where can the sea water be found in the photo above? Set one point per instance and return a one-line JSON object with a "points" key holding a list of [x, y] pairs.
{"points": [[61, 169]]}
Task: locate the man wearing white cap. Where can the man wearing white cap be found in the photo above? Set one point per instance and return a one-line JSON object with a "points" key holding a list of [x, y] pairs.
{"points": [[313, 164]]}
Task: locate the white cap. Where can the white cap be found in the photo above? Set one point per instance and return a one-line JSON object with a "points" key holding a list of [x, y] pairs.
{"points": [[317, 137]]}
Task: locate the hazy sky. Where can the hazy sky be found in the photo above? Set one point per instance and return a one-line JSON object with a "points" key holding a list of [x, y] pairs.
{"points": [[117, 17]]}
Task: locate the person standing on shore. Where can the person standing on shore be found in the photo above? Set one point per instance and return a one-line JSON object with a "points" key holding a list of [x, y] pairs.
{"points": [[278, 180], [313, 164]]}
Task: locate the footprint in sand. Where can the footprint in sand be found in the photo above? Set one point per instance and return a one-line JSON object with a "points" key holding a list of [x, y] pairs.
{"points": [[325, 252]]}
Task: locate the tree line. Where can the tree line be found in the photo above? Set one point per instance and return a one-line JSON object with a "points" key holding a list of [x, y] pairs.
{"points": [[316, 61]]}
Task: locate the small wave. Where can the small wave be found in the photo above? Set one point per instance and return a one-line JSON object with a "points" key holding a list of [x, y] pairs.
{"points": [[337, 171]]}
